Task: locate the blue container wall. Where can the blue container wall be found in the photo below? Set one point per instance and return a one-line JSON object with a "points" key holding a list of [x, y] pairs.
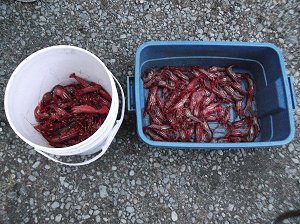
{"points": [[262, 62]]}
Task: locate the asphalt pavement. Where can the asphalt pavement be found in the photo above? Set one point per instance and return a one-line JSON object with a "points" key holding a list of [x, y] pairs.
{"points": [[132, 182]]}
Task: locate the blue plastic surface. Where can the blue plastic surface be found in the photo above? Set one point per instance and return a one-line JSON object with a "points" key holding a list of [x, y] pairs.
{"points": [[130, 94], [263, 61], [294, 102]]}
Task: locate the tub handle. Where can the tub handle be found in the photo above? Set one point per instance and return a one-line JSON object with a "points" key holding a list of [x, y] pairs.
{"points": [[107, 142], [292, 91], [130, 94]]}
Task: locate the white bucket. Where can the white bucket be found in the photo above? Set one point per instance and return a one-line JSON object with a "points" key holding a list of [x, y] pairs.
{"points": [[38, 74]]}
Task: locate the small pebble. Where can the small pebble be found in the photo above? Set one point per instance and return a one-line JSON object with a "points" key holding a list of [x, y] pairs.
{"points": [[230, 207], [98, 219], [32, 178], [174, 216], [36, 164], [47, 167], [102, 191], [113, 168], [296, 161], [55, 205], [259, 27], [210, 215], [86, 216], [148, 16], [270, 207], [291, 148], [156, 165], [96, 212], [58, 218], [130, 209]]}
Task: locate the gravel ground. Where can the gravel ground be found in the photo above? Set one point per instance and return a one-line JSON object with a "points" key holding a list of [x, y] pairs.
{"points": [[134, 183]]}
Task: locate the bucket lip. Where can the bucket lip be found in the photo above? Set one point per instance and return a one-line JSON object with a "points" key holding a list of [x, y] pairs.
{"points": [[71, 149]]}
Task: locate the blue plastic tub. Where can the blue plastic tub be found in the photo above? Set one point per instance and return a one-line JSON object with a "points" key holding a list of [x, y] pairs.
{"points": [[275, 98]]}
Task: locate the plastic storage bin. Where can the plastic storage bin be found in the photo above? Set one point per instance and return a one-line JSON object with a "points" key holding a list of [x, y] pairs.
{"points": [[263, 61]]}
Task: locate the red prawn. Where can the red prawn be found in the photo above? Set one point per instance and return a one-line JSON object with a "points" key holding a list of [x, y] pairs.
{"points": [[70, 114], [183, 100]]}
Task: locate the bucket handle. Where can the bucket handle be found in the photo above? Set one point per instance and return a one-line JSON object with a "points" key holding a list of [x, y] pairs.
{"points": [[292, 91], [107, 141], [130, 94]]}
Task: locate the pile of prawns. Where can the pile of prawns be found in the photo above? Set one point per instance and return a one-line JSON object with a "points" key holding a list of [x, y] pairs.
{"points": [[184, 102], [67, 115]]}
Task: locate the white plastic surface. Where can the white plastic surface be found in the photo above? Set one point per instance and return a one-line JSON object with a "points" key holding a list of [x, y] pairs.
{"points": [[37, 75]]}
